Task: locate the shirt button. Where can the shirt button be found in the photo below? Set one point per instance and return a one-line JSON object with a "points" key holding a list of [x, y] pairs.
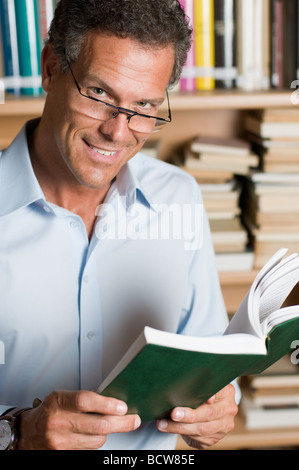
{"points": [[90, 335], [46, 209], [74, 225], [85, 279]]}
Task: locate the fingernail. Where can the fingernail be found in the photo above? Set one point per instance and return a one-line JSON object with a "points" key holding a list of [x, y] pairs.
{"points": [[163, 424], [178, 414], [122, 408], [137, 422]]}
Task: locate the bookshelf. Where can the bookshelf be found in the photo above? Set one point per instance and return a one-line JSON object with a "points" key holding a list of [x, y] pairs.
{"points": [[219, 113], [14, 113], [214, 113]]}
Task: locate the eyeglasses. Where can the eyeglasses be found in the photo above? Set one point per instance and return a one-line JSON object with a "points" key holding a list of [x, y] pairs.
{"points": [[102, 111]]}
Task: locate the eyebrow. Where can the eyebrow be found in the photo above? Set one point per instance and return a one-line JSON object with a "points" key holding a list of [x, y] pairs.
{"points": [[106, 87]]}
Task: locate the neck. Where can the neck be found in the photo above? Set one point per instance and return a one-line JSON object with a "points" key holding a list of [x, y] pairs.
{"points": [[60, 186]]}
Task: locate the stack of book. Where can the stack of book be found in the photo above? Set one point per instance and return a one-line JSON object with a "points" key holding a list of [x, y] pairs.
{"points": [[271, 399], [248, 44], [24, 26], [274, 133], [215, 162], [211, 158]]}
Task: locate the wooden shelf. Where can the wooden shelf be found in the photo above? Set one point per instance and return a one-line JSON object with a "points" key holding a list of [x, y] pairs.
{"points": [[230, 99], [192, 112], [242, 438], [215, 99], [22, 106]]}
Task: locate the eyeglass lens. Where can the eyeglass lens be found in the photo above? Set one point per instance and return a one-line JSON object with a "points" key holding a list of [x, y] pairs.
{"points": [[103, 112]]}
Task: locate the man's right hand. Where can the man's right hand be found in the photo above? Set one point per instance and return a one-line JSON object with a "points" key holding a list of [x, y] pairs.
{"points": [[74, 421]]}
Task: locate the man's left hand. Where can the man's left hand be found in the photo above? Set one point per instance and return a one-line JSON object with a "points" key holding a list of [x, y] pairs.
{"points": [[206, 425]]}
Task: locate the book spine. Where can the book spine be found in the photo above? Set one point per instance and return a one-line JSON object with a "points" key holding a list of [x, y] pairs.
{"points": [[277, 43], [45, 16], [245, 44], [9, 41], [266, 45], [204, 44], [225, 43], [187, 82], [28, 44], [2, 71], [290, 39], [261, 49]]}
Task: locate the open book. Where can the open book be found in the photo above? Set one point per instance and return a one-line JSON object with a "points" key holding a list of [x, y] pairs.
{"points": [[163, 370]]}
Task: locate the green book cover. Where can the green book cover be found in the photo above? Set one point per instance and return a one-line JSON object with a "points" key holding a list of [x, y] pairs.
{"points": [[163, 370], [28, 44]]}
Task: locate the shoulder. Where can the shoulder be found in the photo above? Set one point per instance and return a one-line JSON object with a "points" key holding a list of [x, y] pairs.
{"points": [[164, 181]]}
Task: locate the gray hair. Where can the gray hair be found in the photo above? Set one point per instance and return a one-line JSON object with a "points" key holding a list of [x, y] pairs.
{"points": [[153, 23]]}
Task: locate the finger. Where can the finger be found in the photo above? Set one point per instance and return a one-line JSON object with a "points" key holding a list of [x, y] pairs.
{"points": [[61, 429], [98, 425], [207, 428], [202, 414], [221, 404], [85, 402]]}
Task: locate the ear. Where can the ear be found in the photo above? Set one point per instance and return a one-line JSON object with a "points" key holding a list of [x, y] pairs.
{"points": [[50, 67]]}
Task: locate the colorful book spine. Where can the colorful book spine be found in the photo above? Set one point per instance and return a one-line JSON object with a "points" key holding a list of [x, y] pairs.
{"points": [[187, 82], [9, 41], [45, 16], [2, 71], [225, 43], [28, 45], [204, 44]]}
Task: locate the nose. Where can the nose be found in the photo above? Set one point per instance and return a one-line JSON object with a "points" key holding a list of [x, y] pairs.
{"points": [[116, 129]]}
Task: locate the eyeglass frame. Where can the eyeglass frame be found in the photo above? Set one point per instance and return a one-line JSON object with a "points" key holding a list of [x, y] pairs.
{"points": [[121, 110]]}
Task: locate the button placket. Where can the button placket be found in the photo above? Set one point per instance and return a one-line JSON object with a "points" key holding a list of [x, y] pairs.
{"points": [[91, 328]]}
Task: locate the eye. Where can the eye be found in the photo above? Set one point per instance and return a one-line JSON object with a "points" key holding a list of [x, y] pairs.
{"points": [[145, 107], [144, 104], [96, 92]]}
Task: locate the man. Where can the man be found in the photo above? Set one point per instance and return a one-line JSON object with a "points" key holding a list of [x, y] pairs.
{"points": [[85, 263]]}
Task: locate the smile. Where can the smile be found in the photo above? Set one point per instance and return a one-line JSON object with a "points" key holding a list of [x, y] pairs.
{"points": [[101, 151]]}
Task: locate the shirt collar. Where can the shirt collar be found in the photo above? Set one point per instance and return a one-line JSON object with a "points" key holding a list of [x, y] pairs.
{"points": [[130, 187], [18, 184]]}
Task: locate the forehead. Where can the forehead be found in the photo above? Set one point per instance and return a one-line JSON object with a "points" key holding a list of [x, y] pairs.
{"points": [[126, 62]]}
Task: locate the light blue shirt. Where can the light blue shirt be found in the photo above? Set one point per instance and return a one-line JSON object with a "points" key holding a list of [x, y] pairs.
{"points": [[70, 306]]}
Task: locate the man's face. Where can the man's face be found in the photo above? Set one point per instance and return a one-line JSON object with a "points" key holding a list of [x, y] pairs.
{"points": [[125, 74]]}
